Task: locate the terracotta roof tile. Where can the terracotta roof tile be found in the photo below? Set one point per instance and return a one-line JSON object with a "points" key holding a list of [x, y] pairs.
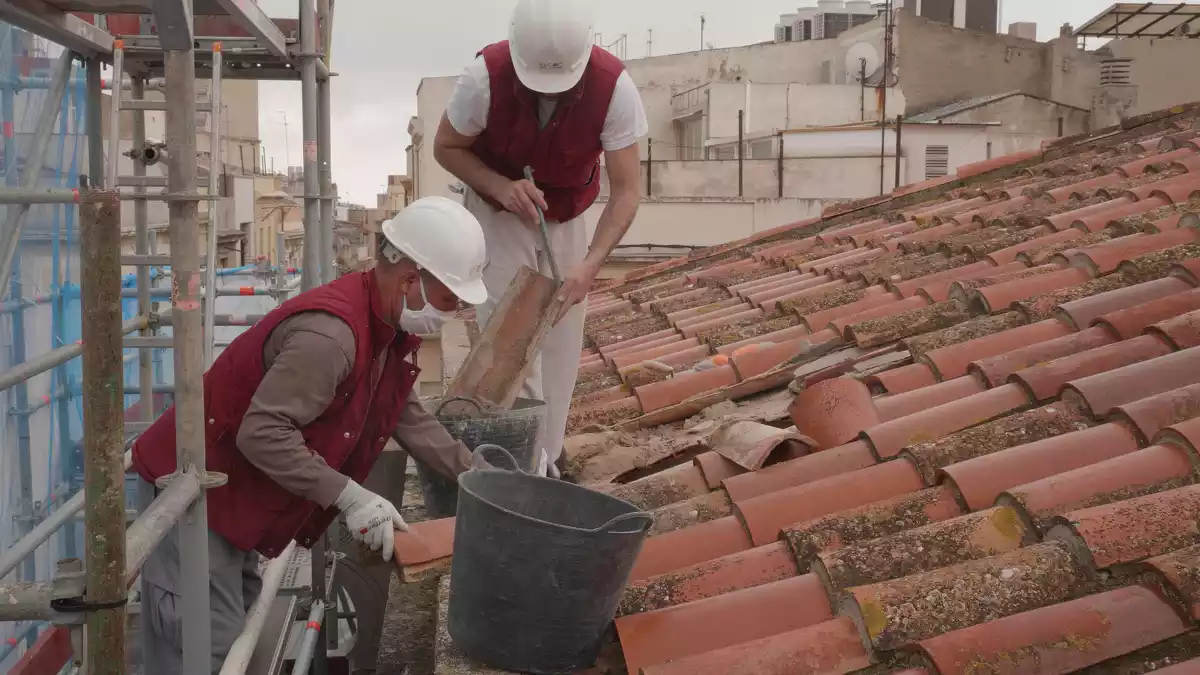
{"points": [[1087, 320]]}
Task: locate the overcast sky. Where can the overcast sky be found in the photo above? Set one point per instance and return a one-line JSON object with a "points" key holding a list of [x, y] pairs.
{"points": [[382, 49]]}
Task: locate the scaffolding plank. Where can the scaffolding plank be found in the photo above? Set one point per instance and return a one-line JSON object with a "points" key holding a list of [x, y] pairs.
{"points": [[127, 104], [55, 25], [248, 14]]}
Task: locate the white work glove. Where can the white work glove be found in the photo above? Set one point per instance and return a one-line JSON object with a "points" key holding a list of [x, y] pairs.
{"points": [[370, 518]]}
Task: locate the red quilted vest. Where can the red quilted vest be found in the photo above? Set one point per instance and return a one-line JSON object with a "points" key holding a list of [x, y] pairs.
{"points": [[252, 511], [565, 154]]}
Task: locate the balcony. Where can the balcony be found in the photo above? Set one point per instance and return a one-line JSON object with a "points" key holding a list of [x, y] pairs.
{"points": [[690, 102]]}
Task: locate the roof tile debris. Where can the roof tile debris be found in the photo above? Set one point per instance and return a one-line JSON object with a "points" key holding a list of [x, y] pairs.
{"points": [[994, 380]]}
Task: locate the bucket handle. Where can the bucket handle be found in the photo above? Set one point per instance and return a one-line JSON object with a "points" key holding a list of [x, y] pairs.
{"points": [[477, 404], [646, 521], [477, 458]]}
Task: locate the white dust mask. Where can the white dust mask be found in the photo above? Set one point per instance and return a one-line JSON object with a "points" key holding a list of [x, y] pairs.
{"points": [[425, 321]]}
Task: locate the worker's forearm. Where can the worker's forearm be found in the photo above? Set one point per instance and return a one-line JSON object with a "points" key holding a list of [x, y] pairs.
{"points": [[468, 168], [614, 222], [278, 449], [424, 437]]}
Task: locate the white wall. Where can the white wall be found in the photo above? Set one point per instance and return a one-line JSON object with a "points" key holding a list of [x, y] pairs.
{"points": [[706, 221], [429, 178], [778, 106]]}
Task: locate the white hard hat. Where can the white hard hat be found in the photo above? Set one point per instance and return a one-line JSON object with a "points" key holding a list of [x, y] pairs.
{"points": [[550, 42], [443, 237]]}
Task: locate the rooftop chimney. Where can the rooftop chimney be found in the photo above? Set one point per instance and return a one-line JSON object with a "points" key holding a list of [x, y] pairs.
{"points": [[1023, 29]]}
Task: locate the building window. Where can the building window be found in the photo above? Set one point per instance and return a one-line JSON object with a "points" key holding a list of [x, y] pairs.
{"points": [[691, 138], [762, 149], [937, 161], [989, 150]]}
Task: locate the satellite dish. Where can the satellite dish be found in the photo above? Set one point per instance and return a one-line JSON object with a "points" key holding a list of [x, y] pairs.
{"points": [[861, 53]]}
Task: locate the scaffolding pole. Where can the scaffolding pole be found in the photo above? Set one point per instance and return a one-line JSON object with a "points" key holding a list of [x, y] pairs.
{"points": [[103, 432], [311, 267], [15, 218], [324, 134], [215, 169], [141, 231], [184, 219]]}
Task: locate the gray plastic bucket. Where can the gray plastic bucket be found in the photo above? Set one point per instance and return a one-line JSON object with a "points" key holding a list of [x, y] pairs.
{"points": [[539, 567], [516, 430]]}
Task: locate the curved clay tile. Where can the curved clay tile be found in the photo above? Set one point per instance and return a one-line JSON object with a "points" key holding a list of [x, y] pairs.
{"points": [[639, 340], [1134, 529], [675, 484], [1140, 166], [1102, 393], [1151, 415], [694, 329], [776, 337], [1045, 380], [981, 480], [722, 621], [833, 412], [829, 647], [683, 386], [841, 235], [745, 569], [1129, 323], [923, 549], [690, 512], [1085, 311], [1000, 434], [644, 371], [771, 300], [1064, 193], [677, 316], [827, 265], [786, 249], [835, 531], [1102, 218], [1181, 332], [1067, 219], [712, 315], [682, 548], [958, 204], [1154, 469], [820, 320], [767, 515], [1008, 255], [1060, 638], [1179, 571], [903, 379], [810, 468], [715, 468], [910, 286], [622, 357], [896, 613], [953, 361], [800, 282], [889, 438], [894, 406]]}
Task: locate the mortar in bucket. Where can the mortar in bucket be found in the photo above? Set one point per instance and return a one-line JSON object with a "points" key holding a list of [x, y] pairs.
{"points": [[515, 429], [539, 567]]}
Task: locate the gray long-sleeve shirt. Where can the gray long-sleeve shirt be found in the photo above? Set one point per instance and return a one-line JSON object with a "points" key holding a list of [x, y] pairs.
{"points": [[306, 358]]}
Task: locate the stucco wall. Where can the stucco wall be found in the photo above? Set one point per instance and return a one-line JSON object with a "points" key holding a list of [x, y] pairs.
{"points": [[1165, 71], [939, 64], [429, 178], [1025, 116], [771, 107]]}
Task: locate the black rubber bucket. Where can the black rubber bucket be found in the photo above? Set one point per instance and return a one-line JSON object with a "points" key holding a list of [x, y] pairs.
{"points": [[515, 429], [539, 567]]}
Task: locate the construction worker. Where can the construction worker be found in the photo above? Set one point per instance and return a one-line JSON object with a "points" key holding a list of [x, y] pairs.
{"points": [[548, 99], [297, 410]]}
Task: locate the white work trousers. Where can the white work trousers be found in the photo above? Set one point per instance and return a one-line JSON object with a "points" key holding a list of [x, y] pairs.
{"points": [[512, 244]]}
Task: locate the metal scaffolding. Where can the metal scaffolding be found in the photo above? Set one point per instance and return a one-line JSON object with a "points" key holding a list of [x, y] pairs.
{"points": [[164, 46]]}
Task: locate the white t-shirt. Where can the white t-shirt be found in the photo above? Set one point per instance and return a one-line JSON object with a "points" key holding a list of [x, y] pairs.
{"points": [[624, 124]]}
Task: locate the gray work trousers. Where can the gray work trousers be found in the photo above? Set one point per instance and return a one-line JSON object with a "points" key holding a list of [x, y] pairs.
{"points": [[234, 584]]}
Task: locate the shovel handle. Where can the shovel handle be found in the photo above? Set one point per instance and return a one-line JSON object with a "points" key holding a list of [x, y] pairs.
{"points": [[545, 232]]}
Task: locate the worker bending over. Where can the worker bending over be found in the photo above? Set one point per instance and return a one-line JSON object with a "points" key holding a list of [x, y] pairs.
{"points": [[547, 99], [297, 410]]}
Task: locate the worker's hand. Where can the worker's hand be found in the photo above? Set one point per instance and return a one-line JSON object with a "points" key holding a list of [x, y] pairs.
{"points": [[522, 197], [370, 518], [576, 287]]}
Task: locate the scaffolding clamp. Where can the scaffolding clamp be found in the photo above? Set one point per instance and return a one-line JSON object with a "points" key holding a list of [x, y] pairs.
{"points": [[208, 479]]}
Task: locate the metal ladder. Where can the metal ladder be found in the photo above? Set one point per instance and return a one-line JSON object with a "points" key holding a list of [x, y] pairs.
{"points": [[139, 181]]}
